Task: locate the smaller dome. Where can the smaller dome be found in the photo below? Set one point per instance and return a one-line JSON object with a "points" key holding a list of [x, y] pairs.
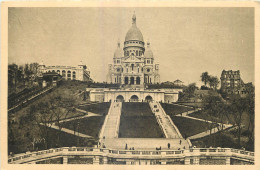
{"points": [[118, 52], [148, 52]]}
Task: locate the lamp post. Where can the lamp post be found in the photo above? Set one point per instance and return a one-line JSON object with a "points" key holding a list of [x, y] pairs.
{"points": [[78, 133]]}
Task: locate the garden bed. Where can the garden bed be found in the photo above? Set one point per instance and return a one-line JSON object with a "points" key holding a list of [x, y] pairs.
{"points": [[138, 121]]}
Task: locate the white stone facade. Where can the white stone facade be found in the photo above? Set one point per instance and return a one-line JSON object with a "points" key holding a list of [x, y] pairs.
{"points": [[133, 95], [134, 64], [79, 72]]}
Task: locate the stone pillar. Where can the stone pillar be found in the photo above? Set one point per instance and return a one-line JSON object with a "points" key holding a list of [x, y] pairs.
{"points": [[227, 160], [105, 160], [95, 160], [65, 160], [187, 160], [196, 161], [163, 162], [134, 79]]}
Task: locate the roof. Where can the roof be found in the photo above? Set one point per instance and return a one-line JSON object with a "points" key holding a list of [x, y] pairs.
{"points": [[134, 33]]}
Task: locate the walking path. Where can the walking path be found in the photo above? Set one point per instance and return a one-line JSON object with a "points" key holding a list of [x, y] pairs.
{"points": [[169, 129], [69, 131], [206, 133], [146, 143], [90, 114]]}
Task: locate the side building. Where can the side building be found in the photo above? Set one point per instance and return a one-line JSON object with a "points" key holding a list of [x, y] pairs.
{"points": [[79, 72], [231, 83]]}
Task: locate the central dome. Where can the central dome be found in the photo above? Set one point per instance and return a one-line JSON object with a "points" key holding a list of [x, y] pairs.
{"points": [[134, 33]]}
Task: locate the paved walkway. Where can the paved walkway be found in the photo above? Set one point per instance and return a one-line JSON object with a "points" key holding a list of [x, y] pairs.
{"points": [[69, 131], [90, 114], [146, 143], [206, 133], [169, 129]]}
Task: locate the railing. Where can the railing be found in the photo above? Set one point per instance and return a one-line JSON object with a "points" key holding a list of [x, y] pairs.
{"points": [[33, 156]]}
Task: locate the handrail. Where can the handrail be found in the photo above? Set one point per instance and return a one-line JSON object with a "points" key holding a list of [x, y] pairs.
{"points": [[104, 151]]}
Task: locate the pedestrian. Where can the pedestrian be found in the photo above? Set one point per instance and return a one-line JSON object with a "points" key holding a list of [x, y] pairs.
{"points": [[125, 146], [160, 148], [133, 148], [169, 145], [180, 142]]}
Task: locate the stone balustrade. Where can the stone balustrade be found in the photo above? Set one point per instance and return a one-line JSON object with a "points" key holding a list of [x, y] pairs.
{"points": [[30, 157]]}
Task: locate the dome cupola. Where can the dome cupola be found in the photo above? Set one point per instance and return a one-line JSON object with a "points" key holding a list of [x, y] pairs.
{"points": [[118, 52], [148, 52], [134, 33]]}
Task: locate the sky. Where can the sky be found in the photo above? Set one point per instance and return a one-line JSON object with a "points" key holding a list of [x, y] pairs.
{"points": [[185, 41]]}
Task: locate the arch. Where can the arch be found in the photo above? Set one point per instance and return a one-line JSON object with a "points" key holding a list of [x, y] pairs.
{"points": [[148, 98], [126, 80], [74, 75], [132, 80], [69, 75], [63, 74], [119, 98], [58, 71], [138, 80], [134, 98]]}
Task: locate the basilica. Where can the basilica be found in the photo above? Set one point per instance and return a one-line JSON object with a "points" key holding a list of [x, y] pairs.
{"points": [[134, 63], [133, 68]]}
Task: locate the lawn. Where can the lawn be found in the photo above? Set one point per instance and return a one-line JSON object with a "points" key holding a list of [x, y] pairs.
{"points": [[99, 108], [138, 121], [189, 127], [89, 126], [202, 115], [225, 139], [172, 109]]}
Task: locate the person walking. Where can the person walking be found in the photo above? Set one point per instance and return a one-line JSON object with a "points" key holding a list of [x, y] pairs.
{"points": [[125, 146], [180, 142], [169, 145]]}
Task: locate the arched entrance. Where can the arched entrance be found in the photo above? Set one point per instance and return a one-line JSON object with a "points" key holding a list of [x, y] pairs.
{"points": [[134, 98], [132, 80], [120, 98], [148, 98], [137, 80]]}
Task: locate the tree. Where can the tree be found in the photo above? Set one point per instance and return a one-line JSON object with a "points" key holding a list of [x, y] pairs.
{"points": [[205, 78], [237, 107], [213, 82]]}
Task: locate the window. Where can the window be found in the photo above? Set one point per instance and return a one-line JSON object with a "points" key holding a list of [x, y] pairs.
{"points": [[148, 70], [74, 75], [148, 61], [132, 65], [136, 53], [118, 61], [140, 53], [118, 69]]}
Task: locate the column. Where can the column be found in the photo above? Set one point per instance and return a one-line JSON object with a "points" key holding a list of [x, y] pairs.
{"points": [[134, 79], [104, 160], [96, 160], [227, 160], [196, 160], [187, 160], [65, 160], [163, 162]]}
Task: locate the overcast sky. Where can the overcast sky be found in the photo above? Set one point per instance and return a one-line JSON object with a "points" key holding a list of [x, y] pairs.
{"points": [[185, 41]]}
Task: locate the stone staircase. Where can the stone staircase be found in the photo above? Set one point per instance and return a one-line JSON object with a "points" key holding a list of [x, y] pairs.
{"points": [[165, 122]]}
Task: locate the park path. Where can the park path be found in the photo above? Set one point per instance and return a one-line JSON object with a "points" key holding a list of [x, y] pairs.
{"points": [[69, 131], [90, 114], [206, 133], [168, 127]]}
